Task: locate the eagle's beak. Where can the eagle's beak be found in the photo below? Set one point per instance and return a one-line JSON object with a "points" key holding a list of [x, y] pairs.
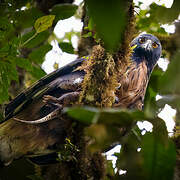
{"points": [[147, 45]]}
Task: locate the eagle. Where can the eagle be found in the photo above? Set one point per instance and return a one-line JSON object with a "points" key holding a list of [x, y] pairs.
{"points": [[30, 126]]}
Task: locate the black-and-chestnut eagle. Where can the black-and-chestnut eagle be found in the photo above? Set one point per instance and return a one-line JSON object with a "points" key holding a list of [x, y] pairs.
{"points": [[39, 105]]}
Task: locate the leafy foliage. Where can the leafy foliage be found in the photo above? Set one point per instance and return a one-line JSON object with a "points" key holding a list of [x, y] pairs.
{"points": [[63, 11], [160, 14], [156, 155], [37, 56], [66, 47], [173, 86], [43, 23], [156, 148], [23, 40]]}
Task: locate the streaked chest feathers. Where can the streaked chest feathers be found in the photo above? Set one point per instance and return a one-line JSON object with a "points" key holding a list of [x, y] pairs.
{"points": [[132, 86]]}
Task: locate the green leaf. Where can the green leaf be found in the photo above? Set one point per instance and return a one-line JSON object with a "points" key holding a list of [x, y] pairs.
{"points": [[111, 125], [150, 105], [148, 24], [129, 158], [89, 34], [159, 129], [118, 117], [43, 23], [5, 28], [37, 72], [3, 94], [154, 79], [4, 51], [172, 100], [84, 115], [66, 47], [109, 19], [63, 11], [169, 83], [37, 40], [159, 159], [25, 19], [12, 72], [8, 73], [23, 63], [164, 15], [38, 55], [151, 19], [103, 135], [109, 168]]}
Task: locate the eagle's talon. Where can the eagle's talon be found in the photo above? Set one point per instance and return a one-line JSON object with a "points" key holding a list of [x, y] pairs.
{"points": [[49, 100]]}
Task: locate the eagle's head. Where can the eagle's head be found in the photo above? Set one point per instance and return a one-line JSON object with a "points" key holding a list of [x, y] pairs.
{"points": [[146, 47]]}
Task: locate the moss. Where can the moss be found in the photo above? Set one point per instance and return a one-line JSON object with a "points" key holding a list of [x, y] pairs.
{"points": [[100, 80], [122, 57]]}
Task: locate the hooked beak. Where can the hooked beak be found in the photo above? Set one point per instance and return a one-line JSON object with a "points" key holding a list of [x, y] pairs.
{"points": [[147, 45]]}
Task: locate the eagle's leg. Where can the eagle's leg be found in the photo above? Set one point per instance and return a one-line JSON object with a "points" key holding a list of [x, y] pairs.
{"points": [[64, 100], [51, 101]]}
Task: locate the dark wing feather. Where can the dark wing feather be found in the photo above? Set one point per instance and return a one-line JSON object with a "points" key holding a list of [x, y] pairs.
{"points": [[40, 87], [34, 108]]}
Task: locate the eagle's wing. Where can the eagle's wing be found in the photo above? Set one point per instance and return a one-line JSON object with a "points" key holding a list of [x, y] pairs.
{"points": [[52, 84]]}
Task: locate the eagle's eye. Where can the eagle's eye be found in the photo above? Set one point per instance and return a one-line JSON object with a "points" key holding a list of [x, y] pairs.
{"points": [[154, 45], [142, 40]]}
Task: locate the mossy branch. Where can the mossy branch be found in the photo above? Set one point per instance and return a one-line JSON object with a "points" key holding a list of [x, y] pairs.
{"points": [[103, 69]]}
